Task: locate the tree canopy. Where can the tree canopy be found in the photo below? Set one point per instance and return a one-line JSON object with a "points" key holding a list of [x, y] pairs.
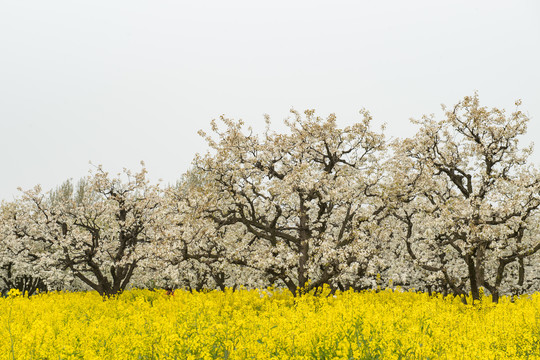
{"points": [[453, 209]]}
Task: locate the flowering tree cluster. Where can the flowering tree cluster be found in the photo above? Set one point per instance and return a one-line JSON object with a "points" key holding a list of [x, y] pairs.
{"points": [[308, 202], [454, 209], [468, 205], [97, 234]]}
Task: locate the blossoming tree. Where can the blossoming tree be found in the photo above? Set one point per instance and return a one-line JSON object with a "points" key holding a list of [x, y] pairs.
{"points": [[308, 202], [469, 198], [20, 267], [99, 233]]}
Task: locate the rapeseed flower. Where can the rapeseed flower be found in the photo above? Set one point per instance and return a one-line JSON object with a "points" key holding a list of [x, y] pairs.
{"points": [[269, 324]]}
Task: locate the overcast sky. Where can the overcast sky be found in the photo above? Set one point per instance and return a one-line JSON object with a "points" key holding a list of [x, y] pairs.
{"points": [[117, 82]]}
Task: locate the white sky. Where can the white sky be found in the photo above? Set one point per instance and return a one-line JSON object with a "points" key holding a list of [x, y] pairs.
{"points": [[117, 82]]}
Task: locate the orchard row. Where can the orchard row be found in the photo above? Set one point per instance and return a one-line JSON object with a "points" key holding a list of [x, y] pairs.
{"points": [[453, 209]]}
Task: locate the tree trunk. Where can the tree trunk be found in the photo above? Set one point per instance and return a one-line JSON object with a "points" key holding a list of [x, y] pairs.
{"points": [[472, 277], [303, 247]]}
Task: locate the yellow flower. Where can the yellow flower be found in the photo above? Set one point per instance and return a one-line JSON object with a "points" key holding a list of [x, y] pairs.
{"points": [[242, 325]]}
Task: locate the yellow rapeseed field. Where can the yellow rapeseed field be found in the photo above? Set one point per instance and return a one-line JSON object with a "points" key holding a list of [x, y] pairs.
{"points": [[269, 324]]}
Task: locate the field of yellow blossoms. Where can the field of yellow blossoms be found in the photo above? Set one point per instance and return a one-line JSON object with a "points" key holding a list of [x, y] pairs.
{"points": [[266, 324]]}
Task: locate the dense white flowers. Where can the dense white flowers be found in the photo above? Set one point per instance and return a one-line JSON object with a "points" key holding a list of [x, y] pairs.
{"points": [[308, 201], [468, 202], [454, 209], [97, 233]]}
